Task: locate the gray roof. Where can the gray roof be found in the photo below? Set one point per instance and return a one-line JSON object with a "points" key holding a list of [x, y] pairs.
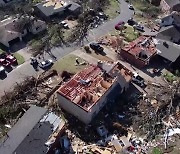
{"points": [[171, 53], [31, 132], [74, 6], [48, 11], [171, 3], [169, 32], [21, 129]]}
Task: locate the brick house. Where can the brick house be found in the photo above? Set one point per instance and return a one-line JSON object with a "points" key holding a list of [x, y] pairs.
{"points": [[90, 89], [139, 52]]}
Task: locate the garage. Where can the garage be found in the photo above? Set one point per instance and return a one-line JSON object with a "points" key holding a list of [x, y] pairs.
{"points": [[14, 41]]}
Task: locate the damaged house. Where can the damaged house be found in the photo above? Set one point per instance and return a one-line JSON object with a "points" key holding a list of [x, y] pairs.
{"points": [[140, 51], [34, 133], [89, 90]]}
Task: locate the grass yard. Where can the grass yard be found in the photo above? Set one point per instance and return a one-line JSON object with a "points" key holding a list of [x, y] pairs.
{"points": [[112, 8], [129, 34], [1, 51], [169, 76], [67, 63], [20, 59], [100, 57], [146, 7]]}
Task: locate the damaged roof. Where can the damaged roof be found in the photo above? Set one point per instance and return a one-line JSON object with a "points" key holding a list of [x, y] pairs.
{"points": [[141, 44], [89, 85], [31, 132]]}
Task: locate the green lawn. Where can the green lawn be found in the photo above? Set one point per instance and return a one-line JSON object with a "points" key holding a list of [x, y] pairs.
{"points": [[156, 151], [1, 51], [100, 57], [129, 34], [169, 77], [20, 59], [67, 63], [112, 8], [146, 7]]}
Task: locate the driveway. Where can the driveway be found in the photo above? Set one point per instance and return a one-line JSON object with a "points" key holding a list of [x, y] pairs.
{"points": [[20, 73]]}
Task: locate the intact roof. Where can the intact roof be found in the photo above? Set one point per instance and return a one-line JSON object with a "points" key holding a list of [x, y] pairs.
{"points": [[31, 132], [171, 53], [171, 3], [169, 33]]}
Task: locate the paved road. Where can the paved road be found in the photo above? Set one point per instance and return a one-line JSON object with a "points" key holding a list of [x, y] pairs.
{"points": [[20, 73]]}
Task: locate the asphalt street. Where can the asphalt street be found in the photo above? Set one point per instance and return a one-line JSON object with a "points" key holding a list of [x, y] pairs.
{"points": [[21, 72]]}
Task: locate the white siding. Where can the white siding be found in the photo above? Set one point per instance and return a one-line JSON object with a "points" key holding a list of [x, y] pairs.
{"points": [[81, 114]]}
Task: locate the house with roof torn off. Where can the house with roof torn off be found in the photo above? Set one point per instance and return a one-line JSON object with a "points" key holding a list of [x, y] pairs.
{"points": [[140, 51], [36, 132], [90, 89], [49, 8]]}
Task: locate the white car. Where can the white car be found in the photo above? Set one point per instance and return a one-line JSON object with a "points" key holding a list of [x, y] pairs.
{"points": [[131, 7], [2, 70], [46, 63], [139, 27]]}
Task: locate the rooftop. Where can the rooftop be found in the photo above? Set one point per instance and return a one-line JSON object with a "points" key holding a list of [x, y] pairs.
{"points": [[89, 85], [171, 3], [31, 132], [172, 52], [51, 7], [142, 48]]}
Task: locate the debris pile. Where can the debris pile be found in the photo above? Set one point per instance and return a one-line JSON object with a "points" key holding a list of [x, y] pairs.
{"points": [[33, 91]]}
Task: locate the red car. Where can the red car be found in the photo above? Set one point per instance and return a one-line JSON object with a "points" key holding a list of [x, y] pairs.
{"points": [[5, 63], [11, 59], [119, 24]]}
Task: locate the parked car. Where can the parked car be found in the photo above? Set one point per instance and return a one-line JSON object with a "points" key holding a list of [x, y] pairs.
{"points": [[11, 59], [131, 7], [96, 47], [131, 22], [139, 27], [102, 15], [119, 24], [45, 64], [8, 57], [4, 62], [138, 79], [2, 70]]}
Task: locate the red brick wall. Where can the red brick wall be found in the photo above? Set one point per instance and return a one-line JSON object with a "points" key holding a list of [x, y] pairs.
{"points": [[131, 59]]}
